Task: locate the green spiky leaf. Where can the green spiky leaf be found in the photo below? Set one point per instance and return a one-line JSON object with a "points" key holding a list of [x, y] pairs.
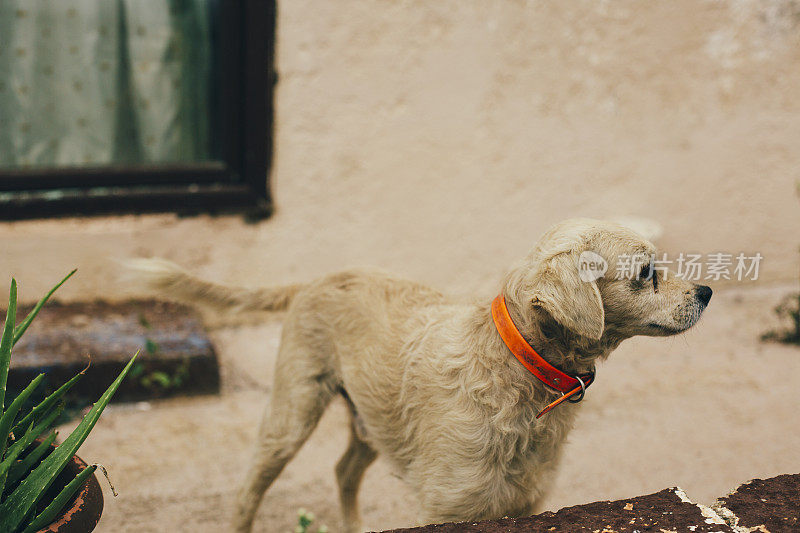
{"points": [[38, 428], [20, 329], [11, 456], [51, 400], [11, 413], [19, 446], [17, 504], [21, 468], [51, 511], [7, 341]]}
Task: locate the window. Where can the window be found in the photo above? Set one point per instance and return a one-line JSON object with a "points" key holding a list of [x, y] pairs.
{"points": [[124, 105]]}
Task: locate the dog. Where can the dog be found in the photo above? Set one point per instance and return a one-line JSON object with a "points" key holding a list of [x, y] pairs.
{"points": [[430, 382]]}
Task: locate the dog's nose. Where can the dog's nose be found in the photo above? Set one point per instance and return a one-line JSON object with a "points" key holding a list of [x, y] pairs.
{"points": [[704, 293]]}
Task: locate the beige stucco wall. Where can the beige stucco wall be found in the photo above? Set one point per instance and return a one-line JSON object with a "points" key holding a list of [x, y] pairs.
{"points": [[439, 139], [502, 117]]}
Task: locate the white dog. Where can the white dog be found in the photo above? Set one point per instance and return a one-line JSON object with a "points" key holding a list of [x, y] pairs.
{"points": [[433, 385]]}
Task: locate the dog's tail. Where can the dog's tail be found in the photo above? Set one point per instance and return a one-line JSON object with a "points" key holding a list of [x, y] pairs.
{"points": [[171, 281]]}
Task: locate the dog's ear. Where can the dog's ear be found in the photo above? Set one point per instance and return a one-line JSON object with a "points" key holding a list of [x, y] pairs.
{"points": [[572, 302]]}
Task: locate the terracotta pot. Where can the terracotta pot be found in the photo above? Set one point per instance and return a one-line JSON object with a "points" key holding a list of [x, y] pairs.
{"points": [[83, 512]]}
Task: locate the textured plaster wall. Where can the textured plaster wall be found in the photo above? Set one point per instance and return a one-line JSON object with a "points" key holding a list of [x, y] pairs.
{"points": [[439, 139], [471, 126]]}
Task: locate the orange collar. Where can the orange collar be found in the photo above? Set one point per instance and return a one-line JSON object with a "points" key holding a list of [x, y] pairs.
{"points": [[535, 363]]}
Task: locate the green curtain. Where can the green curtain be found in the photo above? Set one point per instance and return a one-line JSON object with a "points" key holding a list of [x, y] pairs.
{"points": [[97, 82]]}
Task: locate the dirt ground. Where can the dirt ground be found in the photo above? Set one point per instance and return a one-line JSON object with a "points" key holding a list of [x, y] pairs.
{"points": [[706, 411]]}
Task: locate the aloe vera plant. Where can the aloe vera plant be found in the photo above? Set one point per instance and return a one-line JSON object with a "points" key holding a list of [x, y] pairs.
{"points": [[23, 482]]}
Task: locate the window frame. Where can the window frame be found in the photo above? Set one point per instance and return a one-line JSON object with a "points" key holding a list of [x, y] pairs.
{"points": [[237, 182]]}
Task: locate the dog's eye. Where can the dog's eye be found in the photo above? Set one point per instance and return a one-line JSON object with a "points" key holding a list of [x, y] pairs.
{"points": [[646, 272]]}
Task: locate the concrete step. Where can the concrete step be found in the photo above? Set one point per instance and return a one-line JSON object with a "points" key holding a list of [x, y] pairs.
{"points": [[176, 357]]}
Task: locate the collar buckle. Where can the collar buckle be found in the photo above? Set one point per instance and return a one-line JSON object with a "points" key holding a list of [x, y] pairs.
{"points": [[580, 396]]}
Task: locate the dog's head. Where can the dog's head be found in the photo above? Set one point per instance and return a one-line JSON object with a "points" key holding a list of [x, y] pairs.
{"points": [[597, 279]]}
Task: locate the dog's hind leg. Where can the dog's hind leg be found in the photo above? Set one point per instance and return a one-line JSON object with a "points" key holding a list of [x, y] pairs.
{"points": [[349, 472], [301, 392]]}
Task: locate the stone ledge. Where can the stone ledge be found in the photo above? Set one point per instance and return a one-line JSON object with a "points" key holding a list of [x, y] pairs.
{"points": [[765, 506], [175, 357], [666, 511]]}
